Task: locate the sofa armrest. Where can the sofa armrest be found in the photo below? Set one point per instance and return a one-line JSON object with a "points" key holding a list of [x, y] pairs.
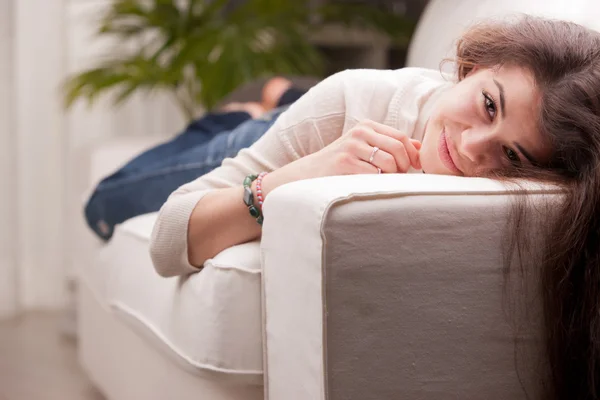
{"points": [[391, 286]]}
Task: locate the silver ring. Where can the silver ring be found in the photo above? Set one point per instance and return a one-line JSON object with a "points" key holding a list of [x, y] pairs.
{"points": [[375, 150]]}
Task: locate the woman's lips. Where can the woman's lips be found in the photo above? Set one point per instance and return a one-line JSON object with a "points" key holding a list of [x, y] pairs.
{"points": [[445, 156]]}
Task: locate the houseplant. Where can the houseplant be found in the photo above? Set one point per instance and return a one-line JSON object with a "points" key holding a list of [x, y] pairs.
{"points": [[201, 50]]}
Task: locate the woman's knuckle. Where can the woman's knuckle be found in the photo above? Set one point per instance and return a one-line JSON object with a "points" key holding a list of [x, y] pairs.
{"points": [[344, 158], [351, 146], [358, 132], [389, 164], [403, 165], [398, 148]]}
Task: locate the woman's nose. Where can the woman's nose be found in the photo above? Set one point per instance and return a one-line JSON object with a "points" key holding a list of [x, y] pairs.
{"points": [[475, 145]]}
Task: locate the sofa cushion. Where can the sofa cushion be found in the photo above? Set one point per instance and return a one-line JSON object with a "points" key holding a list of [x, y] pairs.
{"points": [[210, 322]]}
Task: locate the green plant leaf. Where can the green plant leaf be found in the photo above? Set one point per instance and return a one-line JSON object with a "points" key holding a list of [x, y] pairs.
{"points": [[202, 50]]}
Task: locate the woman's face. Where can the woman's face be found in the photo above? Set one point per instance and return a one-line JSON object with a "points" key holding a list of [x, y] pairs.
{"points": [[485, 122]]}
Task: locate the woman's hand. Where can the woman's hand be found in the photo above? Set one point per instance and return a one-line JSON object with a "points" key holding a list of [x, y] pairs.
{"points": [[351, 153]]}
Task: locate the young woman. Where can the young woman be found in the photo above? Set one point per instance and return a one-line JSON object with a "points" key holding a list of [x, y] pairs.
{"points": [[525, 103]]}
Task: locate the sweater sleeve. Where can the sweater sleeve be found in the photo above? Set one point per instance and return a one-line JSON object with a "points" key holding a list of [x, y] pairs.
{"points": [[311, 123]]}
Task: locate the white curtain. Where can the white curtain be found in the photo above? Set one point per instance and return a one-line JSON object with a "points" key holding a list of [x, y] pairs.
{"points": [[44, 151]]}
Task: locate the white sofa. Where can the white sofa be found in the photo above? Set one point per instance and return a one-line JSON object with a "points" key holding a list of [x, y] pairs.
{"points": [[363, 287]]}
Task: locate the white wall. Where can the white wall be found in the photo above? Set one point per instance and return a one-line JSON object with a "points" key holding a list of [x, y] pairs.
{"points": [[8, 222], [39, 126], [44, 151]]}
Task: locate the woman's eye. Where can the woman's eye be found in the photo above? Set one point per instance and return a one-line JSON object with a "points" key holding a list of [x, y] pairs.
{"points": [[512, 155], [490, 105]]}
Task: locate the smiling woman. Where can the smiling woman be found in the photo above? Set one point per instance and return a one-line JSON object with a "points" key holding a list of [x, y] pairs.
{"points": [[484, 124], [524, 103]]}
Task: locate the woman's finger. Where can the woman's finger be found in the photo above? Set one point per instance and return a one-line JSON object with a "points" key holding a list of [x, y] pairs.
{"points": [[379, 158], [367, 168], [417, 145], [408, 143], [395, 148]]}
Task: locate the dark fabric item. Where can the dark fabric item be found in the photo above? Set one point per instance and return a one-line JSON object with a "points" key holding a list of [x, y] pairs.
{"points": [[290, 96]]}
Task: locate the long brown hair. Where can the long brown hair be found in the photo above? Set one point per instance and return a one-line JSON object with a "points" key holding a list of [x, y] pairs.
{"points": [[564, 59]]}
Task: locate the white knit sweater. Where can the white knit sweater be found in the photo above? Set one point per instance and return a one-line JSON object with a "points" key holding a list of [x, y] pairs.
{"points": [[398, 98]]}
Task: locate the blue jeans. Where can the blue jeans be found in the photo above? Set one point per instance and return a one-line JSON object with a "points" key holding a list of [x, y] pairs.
{"points": [[143, 184]]}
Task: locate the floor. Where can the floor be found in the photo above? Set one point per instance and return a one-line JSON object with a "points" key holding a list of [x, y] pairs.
{"points": [[38, 362]]}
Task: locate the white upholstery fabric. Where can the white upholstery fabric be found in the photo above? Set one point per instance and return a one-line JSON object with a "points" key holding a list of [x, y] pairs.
{"points": [[208, 322], [126, 366], [443, 21], [297, 231], [146, 337], [103, 161]]}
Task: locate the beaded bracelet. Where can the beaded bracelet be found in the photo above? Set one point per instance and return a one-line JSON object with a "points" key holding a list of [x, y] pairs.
{"points": [[255, 212], [259, 195]]}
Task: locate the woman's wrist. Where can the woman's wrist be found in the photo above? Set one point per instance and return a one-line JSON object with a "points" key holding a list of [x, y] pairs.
{"points": [[290, 173], [269, 182]]}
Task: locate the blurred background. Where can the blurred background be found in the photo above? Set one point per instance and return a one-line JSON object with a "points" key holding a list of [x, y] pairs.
{"points": [[80, 79], [45, 163]]}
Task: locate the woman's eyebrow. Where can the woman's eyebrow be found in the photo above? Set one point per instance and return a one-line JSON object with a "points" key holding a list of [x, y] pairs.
{"points": [[526, 154], [501, 89]]}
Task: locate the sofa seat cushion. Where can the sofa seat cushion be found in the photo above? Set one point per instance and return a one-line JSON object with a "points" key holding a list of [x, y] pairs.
{"points": [[210, 322]]}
